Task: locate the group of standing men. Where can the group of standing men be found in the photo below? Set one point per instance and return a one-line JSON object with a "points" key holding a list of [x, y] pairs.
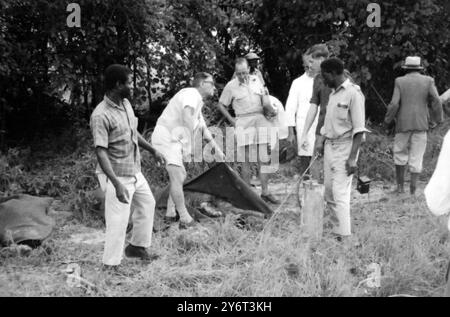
{"points": [[324, 106]]}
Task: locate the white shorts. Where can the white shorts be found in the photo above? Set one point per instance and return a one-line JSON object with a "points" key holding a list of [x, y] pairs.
{"points": [[169, 147]]}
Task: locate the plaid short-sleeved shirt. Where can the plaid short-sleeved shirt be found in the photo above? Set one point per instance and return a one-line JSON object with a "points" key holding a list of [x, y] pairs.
{"points": [[114, 127]]}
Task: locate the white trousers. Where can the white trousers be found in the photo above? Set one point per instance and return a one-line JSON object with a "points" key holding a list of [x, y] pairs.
{"points": [[337, 184], [142, 203]]}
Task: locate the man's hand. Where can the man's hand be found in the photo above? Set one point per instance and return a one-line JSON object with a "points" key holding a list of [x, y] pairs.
{"points": [[122, 193], [387, 127], [304, 142], [319, 146], [269, 112], [159, 158], [351, 166]]}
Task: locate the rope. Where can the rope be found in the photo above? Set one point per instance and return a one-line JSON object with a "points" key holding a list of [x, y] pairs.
{"points": [[294, 187], [379, 96]]}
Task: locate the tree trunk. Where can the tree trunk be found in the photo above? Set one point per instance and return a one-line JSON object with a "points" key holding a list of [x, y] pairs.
{"points": [[149, 94], [85, 96], [2, 126]]}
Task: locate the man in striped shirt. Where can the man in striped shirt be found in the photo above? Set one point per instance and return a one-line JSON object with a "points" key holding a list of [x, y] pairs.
{"points": [[117, 141]]}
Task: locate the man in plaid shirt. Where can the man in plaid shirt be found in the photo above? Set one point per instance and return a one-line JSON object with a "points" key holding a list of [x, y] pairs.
{"points": [[117, 141]]}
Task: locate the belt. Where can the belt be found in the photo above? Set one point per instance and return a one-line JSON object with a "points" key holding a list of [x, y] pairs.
{"points": [[248, 114], [339, 140]]}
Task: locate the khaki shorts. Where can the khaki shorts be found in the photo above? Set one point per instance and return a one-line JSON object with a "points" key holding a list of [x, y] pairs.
{"points": [[253, 129], [409, 148]]}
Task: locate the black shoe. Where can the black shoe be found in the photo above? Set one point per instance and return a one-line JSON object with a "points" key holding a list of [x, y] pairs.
{"points": [[186, 225], [169, 220], [132, 251], [270, 199]]}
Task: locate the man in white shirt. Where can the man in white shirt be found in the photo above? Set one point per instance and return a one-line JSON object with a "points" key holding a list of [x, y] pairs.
{"points": [[173, 138], [247, 96], [298, 103]]}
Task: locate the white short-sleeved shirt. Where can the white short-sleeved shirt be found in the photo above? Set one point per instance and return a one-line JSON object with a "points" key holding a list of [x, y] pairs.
{"points": [[172, 116], [244, 98]]}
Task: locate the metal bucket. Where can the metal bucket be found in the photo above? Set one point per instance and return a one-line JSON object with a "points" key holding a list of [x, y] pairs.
{"points": [[311, 196]]}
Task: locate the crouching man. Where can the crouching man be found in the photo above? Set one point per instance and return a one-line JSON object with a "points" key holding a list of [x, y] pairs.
{"points": [[343, 130], [172, 136], [117, 141]]}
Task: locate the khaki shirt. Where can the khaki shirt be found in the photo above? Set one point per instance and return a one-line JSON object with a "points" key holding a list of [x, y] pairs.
{"points": [[245, 98], [345, 114]]}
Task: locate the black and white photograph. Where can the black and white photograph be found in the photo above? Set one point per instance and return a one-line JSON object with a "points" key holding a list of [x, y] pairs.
{"points": [[225, 154]]}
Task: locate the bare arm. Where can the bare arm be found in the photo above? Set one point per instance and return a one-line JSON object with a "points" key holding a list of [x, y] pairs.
{"points": [[105, 164], [145, 145], [357, 140], [351, 162], [207, 136], [310, 117], [226, 114]]}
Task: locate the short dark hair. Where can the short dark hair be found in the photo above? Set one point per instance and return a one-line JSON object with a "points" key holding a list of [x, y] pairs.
{"points": [[333, 65], [116, 74], [318, 50], [199, 78]]}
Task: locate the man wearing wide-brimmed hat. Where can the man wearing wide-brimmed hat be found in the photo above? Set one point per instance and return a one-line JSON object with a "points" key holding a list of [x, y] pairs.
{"points": [[413, 94]]}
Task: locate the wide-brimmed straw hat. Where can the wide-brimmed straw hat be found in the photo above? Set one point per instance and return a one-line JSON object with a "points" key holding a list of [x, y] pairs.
{"points": [[251, 56], [412, 62]]}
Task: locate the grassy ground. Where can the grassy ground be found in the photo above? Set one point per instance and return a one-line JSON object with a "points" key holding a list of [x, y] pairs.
{"points": [[267, 258], [220, 259]]}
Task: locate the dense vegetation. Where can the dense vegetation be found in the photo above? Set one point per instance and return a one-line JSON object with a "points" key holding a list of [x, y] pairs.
{"points": [[50, 74]]}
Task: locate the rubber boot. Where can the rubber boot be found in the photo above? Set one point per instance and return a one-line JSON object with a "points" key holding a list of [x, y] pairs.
{"points": [[413, 183], [400, 173]]}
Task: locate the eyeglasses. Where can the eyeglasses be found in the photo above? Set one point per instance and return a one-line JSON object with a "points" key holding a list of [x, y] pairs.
{"points": [[209, 82]]}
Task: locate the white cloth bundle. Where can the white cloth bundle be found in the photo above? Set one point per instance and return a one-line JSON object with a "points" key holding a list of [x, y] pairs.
{"points": [[437, 192]]}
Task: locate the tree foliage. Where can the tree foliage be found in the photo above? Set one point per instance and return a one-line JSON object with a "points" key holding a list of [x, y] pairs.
{"points": [[285, 29], [50, 74]]}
